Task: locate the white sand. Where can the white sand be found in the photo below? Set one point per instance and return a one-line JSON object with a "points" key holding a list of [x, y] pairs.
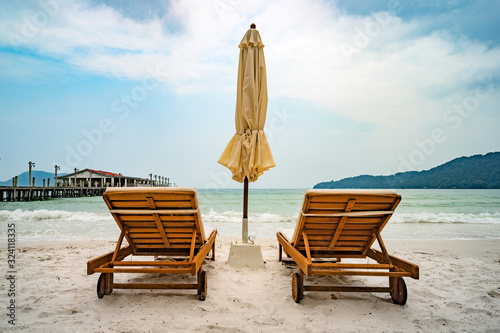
{"points": [[458, 291]]}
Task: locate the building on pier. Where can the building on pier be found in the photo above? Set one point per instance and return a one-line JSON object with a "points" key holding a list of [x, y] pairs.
{"points": [[99, 178]]}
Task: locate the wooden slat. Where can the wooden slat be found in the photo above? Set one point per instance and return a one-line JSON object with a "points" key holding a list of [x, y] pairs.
{"points": [[321, 226], [173, 204], [350, 205], [197, 221], [161, 229], [143, 204], [332, 226], [179, 230], [158, 240], [165, 218], [155, 286], [306, 242], [144, 230], [361, 238], [344, 197], [152, 263], [349, 266], [349, 214], [151, 202], [172, 246], [118, 245], [145, 224], [348, 226], [338, 206], [321, 237], [338, 230], [359, 273], [152, 224], [167, 230], [348, 289], [322, 219], [153, 233], [329, 219], [186, 224], [347, 243], [319, 243], [360, 226], [151, 211], [144, 270], [372, 206], [357, 249], [193, 243], [127, 196]]}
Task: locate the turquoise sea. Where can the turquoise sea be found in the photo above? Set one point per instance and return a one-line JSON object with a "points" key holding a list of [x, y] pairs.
{"points": [[422, 214]]}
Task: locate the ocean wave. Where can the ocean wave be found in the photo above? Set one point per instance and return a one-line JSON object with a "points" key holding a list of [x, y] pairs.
{"points": [[51, 215], [423, 217], [233, 216], [454, 218]]}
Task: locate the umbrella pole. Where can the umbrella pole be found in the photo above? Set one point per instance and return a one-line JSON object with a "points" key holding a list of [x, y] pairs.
{"points": [[244, 232]]}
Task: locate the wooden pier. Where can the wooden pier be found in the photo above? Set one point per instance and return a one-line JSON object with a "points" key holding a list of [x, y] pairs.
{"points": [[26, 193], [82, 183]]}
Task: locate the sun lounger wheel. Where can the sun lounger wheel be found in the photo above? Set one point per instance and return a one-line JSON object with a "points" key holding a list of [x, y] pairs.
{"points": [[101, 286], [202, 286], [399, 293], [296, 287], [110, 277]]}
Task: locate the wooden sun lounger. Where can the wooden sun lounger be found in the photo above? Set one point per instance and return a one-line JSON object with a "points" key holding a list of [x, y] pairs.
{"points": [[155, 222], [342, 224]]}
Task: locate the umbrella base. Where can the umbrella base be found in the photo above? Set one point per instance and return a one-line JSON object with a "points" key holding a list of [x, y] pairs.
{"points": [[245, 255]]}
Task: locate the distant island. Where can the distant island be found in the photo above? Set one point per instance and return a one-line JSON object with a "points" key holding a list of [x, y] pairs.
{"points": [[23, 179], [474, 172]]}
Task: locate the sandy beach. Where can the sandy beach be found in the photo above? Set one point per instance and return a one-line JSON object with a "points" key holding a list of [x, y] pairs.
{"points": [[458, 291]]}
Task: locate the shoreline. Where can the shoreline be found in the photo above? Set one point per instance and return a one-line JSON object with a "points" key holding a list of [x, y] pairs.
{"points": [[458, 290], [401, 244]]}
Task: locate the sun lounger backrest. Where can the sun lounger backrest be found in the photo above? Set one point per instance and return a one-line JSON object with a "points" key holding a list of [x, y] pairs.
{"points": [[156, 217], [343, 220]]}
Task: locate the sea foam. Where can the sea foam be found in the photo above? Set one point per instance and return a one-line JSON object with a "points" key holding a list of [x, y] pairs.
{"points": [[51, 215], [232, 216]]}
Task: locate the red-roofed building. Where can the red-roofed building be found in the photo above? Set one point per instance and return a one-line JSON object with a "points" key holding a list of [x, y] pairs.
{"points": [[99, 178]]}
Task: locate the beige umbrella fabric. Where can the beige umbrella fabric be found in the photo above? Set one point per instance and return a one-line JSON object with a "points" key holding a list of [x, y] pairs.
{"points": [[248, 153]]}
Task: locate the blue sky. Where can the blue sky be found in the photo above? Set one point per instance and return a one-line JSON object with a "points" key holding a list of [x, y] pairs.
{"points": [[139, 87]]}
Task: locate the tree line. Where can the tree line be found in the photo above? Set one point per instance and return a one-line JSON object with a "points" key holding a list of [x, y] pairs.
{"points": [[473, 172]]}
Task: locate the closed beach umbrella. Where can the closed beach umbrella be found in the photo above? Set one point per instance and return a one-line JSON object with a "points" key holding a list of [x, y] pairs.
{"points": [[248, 154]]}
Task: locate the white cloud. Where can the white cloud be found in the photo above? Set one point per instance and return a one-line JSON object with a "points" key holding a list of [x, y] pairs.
{"points": [[387, 68]]}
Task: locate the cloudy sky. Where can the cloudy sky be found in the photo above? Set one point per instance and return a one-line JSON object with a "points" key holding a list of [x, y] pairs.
{"points": [[139, 87]]}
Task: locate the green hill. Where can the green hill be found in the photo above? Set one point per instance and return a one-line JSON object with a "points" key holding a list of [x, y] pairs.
{"points": [[23, 178], [478, 171]]}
